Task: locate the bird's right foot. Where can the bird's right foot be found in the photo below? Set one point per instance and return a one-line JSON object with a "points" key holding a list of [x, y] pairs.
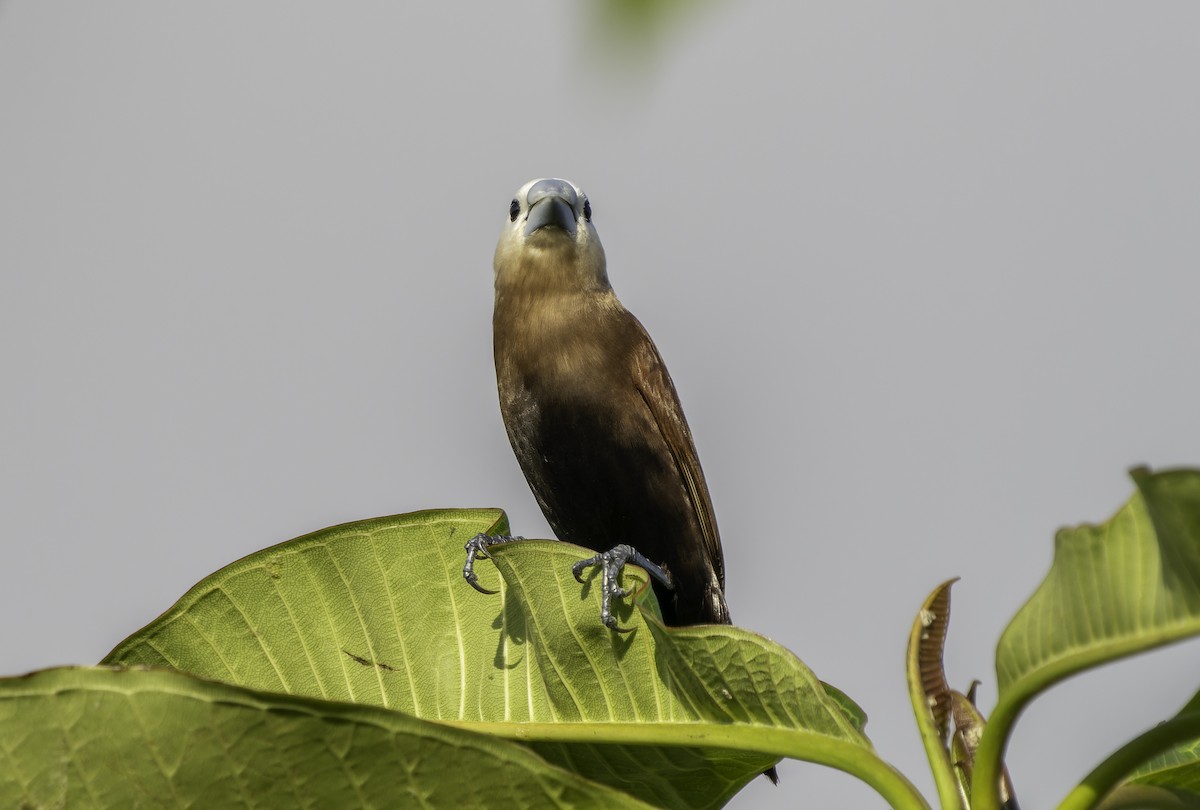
{"points": [[611, 562]]}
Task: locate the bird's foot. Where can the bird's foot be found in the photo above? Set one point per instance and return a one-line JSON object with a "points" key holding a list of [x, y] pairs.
{"points": [[477, 547], [611, 562]]}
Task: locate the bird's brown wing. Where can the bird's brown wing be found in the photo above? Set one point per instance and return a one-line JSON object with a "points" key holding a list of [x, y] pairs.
{"points": [[658, 391]]}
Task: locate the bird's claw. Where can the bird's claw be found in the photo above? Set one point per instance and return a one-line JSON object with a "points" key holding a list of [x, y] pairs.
{"points": [[477, 547], [611, 563]]}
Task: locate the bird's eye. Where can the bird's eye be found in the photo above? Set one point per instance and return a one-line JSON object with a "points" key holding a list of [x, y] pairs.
{"points": [[513, 209], [587, 210]]}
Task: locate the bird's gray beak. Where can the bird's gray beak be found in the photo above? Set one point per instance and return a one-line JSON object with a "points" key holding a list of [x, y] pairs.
{"points": [[551, 203]]}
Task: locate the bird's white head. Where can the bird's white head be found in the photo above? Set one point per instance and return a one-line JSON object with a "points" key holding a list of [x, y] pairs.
{"points": [[549, 241]]}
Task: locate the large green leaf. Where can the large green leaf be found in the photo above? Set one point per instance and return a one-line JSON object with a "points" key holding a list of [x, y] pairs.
{"points": [[374, 612], [1128, 585], [103, 738], [378, 612]]}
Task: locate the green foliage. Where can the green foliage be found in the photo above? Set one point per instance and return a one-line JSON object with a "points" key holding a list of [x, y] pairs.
{"points": [[1178, 767], [132, 739], [353, 667], [377, 612], [1126, 586], [627, 37], [1123, 587]]}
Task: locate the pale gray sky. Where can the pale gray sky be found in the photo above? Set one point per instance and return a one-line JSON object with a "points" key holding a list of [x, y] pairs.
{"points": [[926, 276]]}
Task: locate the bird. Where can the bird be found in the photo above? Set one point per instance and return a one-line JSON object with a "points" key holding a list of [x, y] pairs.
{"points": [[593, 415]]}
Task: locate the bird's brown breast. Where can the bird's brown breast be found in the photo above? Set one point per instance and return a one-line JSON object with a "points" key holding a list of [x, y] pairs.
{"points": [[574, 405]]}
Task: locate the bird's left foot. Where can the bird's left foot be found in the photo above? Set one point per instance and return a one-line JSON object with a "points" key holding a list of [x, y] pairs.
{"points": [[477, 547], [611, 562]]}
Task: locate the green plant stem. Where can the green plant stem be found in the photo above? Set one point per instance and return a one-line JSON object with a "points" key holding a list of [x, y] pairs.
{"points": [[949, 793], [851, 758], [989, 759], [1109, 773]]}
